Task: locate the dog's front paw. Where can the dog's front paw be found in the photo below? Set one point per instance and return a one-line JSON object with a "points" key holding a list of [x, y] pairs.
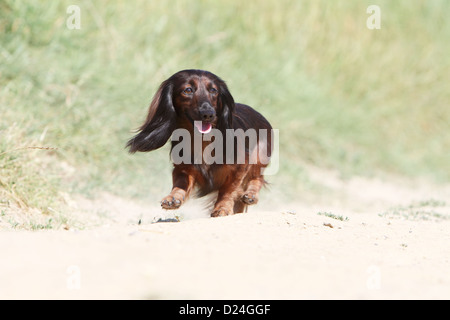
{"points": [[249, 197], [221, 212], [171, 202]]}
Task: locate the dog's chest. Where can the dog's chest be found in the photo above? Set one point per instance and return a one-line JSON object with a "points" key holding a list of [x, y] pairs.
{"points": [[214, 176]]}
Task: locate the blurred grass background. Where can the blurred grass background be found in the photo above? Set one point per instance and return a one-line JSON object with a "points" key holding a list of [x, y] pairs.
{"points": [[343, 97]]}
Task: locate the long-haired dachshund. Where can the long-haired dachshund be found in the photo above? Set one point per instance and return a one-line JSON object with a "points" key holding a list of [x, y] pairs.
{"points": [[199, 102]]}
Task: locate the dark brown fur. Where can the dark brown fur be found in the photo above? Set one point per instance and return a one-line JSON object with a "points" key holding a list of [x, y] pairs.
{"points": [[175, 106]]}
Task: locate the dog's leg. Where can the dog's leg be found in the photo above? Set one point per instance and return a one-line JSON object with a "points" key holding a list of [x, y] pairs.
{"points": [[183, 182], [229, 193], [239, 206], [251, 195]]}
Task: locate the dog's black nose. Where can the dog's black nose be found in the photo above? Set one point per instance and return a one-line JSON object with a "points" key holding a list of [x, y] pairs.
{"points": [[207, 112]]}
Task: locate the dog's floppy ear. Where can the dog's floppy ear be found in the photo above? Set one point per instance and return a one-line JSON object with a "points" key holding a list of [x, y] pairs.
{"points": [[160, 122], [225, 120]]}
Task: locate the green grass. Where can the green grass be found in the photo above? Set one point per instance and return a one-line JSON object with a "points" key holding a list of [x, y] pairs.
{"points": [[428, 210], [343, 96], [333, 216], [26, 178]]}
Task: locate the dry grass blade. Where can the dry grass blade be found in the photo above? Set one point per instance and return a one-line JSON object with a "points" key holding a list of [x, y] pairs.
{"points": [[25, 148]]}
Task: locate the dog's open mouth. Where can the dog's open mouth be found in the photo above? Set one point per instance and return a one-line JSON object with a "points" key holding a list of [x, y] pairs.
{"points": [[203, 127]]}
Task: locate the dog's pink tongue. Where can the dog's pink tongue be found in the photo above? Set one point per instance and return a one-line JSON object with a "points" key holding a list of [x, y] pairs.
{"points": [[203, 127]]}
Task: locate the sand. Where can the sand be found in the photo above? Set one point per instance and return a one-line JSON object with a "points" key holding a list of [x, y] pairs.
{"points": [[385, 240]]}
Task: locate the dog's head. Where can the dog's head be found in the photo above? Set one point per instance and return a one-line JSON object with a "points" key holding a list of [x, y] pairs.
{"points": [[190, 99]]}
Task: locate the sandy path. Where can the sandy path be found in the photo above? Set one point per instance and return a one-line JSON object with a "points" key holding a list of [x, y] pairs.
{"points": [[290, 253]]}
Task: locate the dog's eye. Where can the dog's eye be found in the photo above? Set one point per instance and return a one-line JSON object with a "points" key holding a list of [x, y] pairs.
{"points": [[188, 90], [213, 90]]}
